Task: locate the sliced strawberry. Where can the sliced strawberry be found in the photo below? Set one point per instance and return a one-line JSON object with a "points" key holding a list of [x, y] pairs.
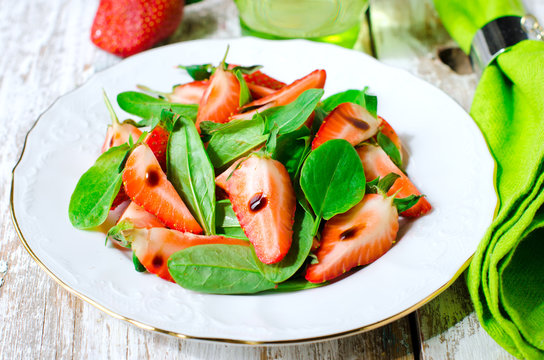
{"points": [[286, 95], [347, 121], [221, 99], [388, 131], [264, 201], [154, 246], [289, 93], [118, 133], [120, 198], [140, 218], [147, 186], [356, 237], [376, 163], [221, 179], [157, 140], [189, 93], [261, 79], [258, 91]]}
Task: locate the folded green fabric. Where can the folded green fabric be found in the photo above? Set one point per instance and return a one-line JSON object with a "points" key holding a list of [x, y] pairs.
{"points": [[506, 276]]}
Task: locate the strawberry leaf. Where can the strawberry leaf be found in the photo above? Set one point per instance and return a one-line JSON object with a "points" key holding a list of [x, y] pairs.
{"points": [[97, 188], [371, 103], [381, 185], [332, 179], [198, 72], [116, 233], [292, 116], [390, 149], [149, 108], [406, 203], [234, 140], [191, 173], [245, 95]]}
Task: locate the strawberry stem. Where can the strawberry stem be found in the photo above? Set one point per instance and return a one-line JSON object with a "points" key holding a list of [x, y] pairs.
{"points": [[114, 119], [222, 66]]}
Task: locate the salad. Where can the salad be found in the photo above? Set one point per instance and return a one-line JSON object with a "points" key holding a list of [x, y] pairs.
{"points": [[238, 183]]}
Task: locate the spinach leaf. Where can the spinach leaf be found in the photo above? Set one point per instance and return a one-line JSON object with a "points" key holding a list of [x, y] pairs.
{"points": [[390, 149], [235, 139], [198, 72], [149, 108], [295, 285], [300, 248], [218, 269], [351, 96], [226, 222], [359, 97], [332, 179], [97, 188], [292, 116], [292, 149], [319, 115], [191, 173], [245, 95]]}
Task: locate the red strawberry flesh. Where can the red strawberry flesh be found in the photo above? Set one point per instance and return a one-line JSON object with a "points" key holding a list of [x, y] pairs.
{"points": [[347, 121], [147, 186], [264, 201], [357, 237], [126, 27], [377, 163], [153, 247]]}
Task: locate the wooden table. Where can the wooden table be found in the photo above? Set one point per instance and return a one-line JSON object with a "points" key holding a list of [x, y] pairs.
{"points": [[46, 52]]}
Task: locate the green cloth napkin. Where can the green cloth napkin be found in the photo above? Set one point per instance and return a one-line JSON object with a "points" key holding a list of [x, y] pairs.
{"points": [[506, 276]]}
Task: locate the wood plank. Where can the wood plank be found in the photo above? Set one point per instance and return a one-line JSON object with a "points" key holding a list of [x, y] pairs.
{"points": [[46, 54]]}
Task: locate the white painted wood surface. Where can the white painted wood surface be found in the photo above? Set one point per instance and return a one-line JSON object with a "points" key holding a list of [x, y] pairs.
{"points": [[45, 53]]}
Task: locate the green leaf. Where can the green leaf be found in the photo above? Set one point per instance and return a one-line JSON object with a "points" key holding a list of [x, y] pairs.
{"points": [[351, 96], [406, 203], [371, 104], [247, 70], [97, 188], [381, 185], [137, 264], [272, 140], [390, 149], [191, 173], [291, 150], [295, 285], [245, 95], [226, 222], [332, 179], [149, 108], [218, 269], [292, 116], [116, 233], [234, 140], [198, 72], [300, 248], [319, 116]]}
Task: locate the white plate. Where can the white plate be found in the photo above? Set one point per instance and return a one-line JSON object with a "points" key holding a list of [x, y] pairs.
{"points": [[448, 161]]}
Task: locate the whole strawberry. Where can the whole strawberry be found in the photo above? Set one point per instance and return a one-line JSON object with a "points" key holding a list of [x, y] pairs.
{"points": [[126, 27]]}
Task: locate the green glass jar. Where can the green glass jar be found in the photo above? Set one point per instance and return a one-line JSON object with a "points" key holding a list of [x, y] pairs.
{"points": [[333, 21]]}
